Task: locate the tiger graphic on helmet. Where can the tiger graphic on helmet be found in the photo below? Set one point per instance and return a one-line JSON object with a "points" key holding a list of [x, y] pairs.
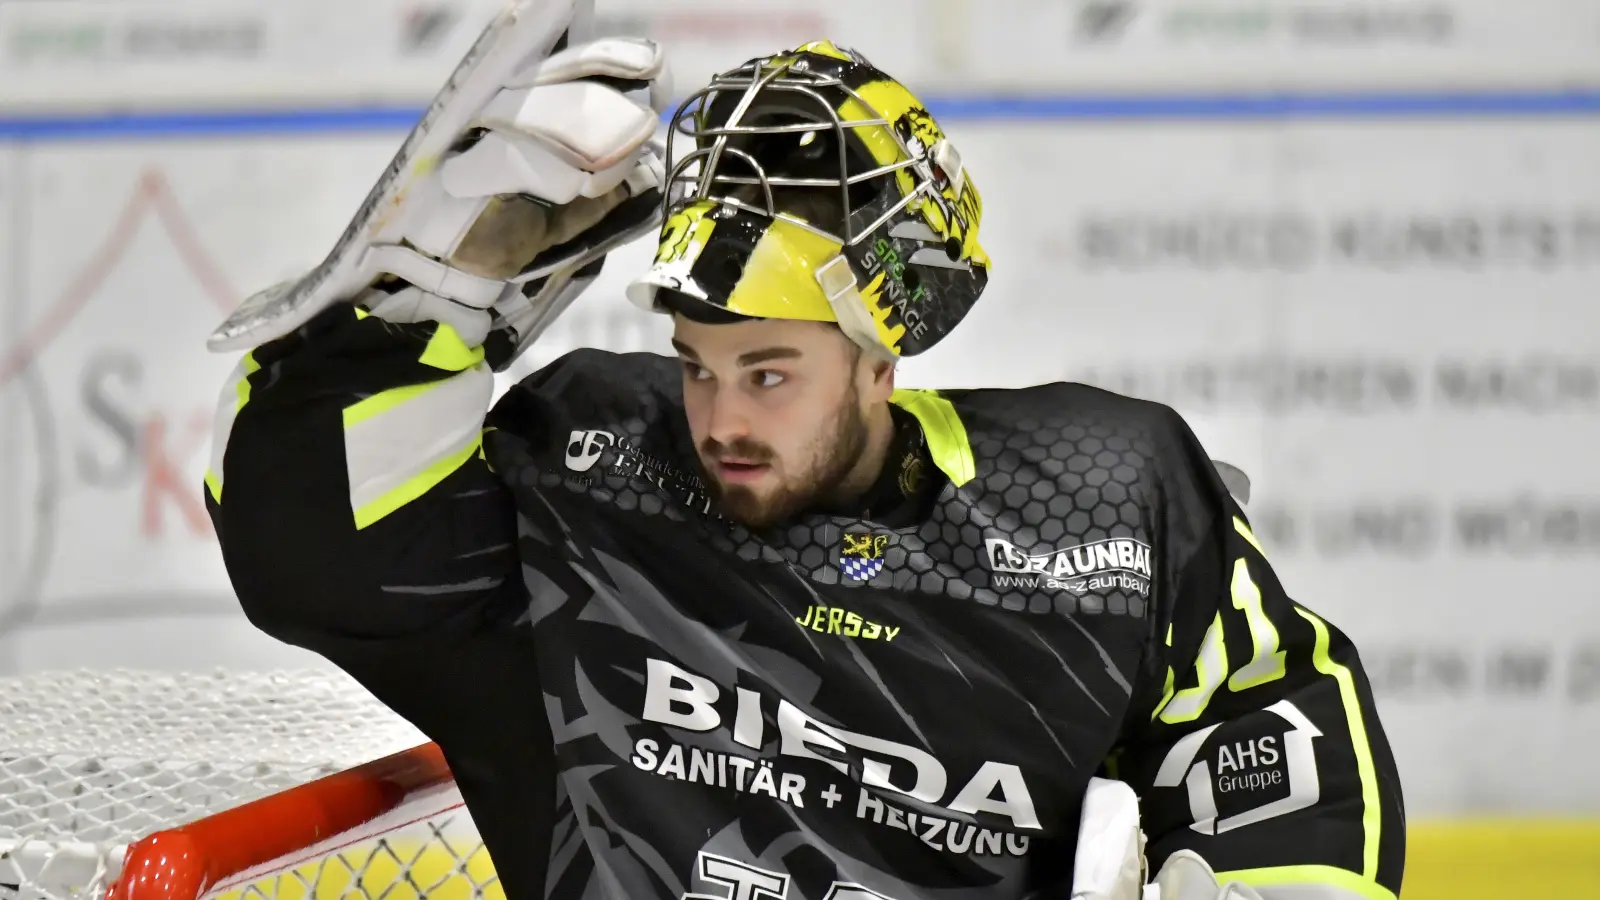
{"points": [[953, 208]]}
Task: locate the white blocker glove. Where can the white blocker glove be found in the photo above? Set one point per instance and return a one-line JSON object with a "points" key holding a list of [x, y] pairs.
{"points": [[1109, 862], [499, 208], [1185, 876]]}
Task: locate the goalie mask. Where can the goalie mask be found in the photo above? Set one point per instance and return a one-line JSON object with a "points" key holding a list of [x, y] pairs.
{"points": [[815, 187]]}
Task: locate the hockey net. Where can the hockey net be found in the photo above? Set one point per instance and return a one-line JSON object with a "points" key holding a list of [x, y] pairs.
{"points": [[255, 786]]}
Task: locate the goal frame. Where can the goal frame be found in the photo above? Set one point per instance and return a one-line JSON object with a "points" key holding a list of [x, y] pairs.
{"points": [[186, 862]]}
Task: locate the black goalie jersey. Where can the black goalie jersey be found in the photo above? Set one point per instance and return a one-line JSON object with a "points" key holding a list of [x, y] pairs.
{"points": [[640, 699]]}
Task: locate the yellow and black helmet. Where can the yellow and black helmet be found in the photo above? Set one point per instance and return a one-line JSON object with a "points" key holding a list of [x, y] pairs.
{"points": [[818, 188]]}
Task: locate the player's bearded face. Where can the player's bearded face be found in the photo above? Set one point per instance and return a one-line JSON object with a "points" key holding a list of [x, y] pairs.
{"points": [[807, 476], [777, 415]]}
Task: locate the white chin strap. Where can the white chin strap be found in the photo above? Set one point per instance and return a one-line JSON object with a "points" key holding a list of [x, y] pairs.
{"points": [[838, 284]]}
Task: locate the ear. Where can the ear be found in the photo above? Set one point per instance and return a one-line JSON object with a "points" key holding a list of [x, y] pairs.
{"points": [[883, 372], [880, 382]]}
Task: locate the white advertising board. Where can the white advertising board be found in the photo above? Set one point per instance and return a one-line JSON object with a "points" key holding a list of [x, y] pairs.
{"points": [[68, 55], [84, 54], [1391, 326], [124, 259], [1075, 45]]}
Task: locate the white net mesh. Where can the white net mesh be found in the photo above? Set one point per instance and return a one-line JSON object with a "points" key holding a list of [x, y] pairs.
{"points": [[427, 848], [92, 761]]}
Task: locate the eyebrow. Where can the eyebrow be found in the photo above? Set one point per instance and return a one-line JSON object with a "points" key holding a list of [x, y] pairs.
{"points": [[754, 357], [767, 354]]}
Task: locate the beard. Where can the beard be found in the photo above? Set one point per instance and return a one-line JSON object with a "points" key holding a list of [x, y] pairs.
{"points": [[835, 452]]}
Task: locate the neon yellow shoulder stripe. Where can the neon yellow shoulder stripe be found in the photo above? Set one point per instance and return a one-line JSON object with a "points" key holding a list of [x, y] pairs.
{"points": [[241, 395], [1372, 812], [383, 401], [1355, 884], [448, 351], [250, 367], [417, 485], [947, 437], [1249, 536]]}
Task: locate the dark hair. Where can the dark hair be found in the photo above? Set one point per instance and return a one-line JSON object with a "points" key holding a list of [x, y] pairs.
{"points": [[709, 314], [807, 155], [820, 206]]}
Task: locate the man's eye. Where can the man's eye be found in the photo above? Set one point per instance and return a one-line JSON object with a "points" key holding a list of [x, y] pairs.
{"points": [[694, 372], [767, 378]]}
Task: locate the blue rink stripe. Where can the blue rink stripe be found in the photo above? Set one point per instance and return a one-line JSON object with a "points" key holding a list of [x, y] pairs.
{"points": [[1069, 107]]}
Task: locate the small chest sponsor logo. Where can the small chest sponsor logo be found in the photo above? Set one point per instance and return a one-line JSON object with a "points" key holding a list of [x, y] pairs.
{"points": [[587, 447], [840, 621], [1115, 564], [584, 448], [1246, 771]]}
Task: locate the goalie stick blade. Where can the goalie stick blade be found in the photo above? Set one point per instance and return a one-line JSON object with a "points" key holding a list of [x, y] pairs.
{"points": [[525, 28]]}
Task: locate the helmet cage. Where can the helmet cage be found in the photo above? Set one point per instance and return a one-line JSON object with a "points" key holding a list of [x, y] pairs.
{"points": [[791, 149], [701, 174]]}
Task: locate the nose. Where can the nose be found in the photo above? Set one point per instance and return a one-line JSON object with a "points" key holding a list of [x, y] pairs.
{"points": [[728, 420]]}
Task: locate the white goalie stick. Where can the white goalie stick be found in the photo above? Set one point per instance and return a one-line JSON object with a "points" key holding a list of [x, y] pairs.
{"points": [[523, 30]]}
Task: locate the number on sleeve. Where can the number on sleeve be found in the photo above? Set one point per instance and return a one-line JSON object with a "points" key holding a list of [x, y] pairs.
{"points": [[1211, 666]]}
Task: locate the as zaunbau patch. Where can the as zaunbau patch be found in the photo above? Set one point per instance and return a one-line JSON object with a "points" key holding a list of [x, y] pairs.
{"points": [[1114, 564]]}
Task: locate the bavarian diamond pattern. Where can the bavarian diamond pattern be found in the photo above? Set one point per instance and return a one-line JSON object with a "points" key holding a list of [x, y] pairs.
{"points": [[858, 569]]}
